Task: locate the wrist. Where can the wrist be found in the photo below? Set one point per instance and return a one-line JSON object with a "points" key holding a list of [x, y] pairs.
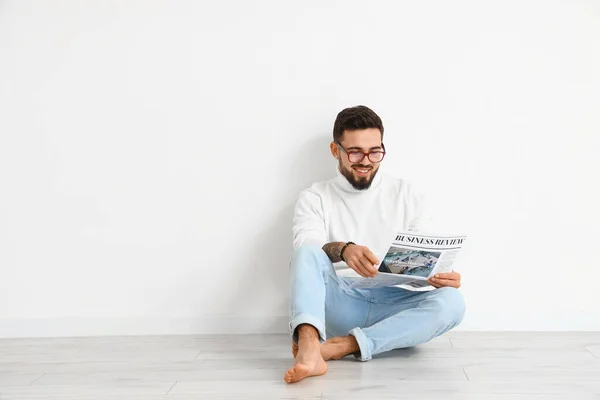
{"points": [[344, 249]]}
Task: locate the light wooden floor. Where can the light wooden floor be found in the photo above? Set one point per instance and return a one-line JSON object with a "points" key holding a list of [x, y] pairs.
{"points": [[460, 365]]}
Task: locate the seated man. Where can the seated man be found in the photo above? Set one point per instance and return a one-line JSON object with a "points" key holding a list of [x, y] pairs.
{"points": [[346, 219]]}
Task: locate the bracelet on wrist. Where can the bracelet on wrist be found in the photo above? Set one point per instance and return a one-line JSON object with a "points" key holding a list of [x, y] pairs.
{"points": [[344, 248]]}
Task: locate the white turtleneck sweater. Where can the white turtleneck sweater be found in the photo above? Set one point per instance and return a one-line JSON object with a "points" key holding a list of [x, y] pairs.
{"points": [[334, 211]]}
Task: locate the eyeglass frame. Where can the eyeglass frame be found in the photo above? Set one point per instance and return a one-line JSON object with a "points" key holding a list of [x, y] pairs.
{"points": [[364, 154]]}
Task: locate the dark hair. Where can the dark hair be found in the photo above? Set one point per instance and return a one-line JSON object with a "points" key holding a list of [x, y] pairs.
{"points": [[354, 118]]}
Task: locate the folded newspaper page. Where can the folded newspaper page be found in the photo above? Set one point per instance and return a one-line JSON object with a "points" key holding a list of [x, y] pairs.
{"points": [[410, 260]]}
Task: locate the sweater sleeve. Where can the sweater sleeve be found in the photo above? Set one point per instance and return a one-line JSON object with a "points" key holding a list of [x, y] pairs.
{"points": [[419, 214], [309, 221]]}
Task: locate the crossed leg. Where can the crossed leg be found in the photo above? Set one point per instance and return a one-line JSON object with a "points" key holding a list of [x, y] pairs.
{"points": [[364, 323]]}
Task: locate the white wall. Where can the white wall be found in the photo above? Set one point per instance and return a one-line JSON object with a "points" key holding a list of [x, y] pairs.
{"points": [[151, 153]]}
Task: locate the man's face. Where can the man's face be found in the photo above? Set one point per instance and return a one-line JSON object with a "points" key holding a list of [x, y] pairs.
{"points": [[359, 174]]}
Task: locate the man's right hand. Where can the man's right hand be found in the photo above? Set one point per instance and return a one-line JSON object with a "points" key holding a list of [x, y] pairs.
{"points": [[361, 260]]}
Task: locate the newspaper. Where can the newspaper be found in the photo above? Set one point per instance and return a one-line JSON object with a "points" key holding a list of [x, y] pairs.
{"points": [[410, 260]]}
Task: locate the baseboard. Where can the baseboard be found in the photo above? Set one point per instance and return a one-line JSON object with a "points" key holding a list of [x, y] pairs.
{"points": [[73, 326], [232, 324], [508, 320]]}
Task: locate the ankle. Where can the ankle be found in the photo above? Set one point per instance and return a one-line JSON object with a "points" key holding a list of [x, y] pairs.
{"points": [[346, 345], [307, 333], [352, 345]]}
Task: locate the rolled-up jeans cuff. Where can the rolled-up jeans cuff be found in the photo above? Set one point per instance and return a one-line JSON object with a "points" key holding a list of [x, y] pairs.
{"points": [[363, 344], [304, 318]]}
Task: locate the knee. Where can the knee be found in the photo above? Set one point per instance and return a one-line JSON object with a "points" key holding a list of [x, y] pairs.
{"points": [[307, 251], [308, 254], [452, 305]]}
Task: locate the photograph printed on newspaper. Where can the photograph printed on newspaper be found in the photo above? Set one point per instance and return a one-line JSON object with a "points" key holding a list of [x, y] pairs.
{"points": [[411, 259]]}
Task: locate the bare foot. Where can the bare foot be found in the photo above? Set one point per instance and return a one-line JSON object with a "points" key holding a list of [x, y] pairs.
{"points": [[308, 358], [335, 348]]}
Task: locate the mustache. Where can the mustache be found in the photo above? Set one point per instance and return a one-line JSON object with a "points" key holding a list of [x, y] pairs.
{"points": [[361, 166]]}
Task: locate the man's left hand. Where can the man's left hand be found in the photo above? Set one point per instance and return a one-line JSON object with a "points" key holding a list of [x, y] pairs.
{"points": [[445, 279]]}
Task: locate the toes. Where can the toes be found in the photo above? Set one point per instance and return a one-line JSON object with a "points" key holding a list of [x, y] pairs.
{"points": [[290, 376], [296, 373]]}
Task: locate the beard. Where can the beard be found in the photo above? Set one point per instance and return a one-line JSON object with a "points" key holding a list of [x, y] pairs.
{"points": [[361, 182]]}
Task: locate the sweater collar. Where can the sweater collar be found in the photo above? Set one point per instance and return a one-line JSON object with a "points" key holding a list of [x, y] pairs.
{"points": [[342, 182]]}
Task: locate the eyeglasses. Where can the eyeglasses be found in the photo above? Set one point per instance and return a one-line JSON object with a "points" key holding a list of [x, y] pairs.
{"points": [[357, 156]]}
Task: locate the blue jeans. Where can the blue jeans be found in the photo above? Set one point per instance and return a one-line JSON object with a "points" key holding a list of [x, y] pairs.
{"points": [[380, 319]]}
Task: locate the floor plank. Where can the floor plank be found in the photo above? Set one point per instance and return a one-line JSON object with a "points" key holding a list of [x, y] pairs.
{"points": [[594, 349], [19, 379], [79, 391], [534, 342]]}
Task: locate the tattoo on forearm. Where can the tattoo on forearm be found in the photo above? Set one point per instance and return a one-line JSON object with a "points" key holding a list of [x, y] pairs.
{"points": [[333, 251]]}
